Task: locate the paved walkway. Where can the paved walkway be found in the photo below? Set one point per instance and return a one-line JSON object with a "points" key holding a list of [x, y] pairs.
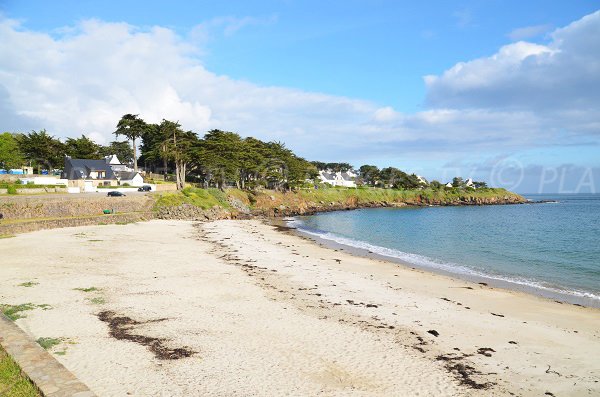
{"points": [[45, 372]]}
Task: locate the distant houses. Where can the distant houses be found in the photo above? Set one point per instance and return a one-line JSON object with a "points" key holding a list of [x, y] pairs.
{"points": [[340, 178], [25, 170], [106, 172]]}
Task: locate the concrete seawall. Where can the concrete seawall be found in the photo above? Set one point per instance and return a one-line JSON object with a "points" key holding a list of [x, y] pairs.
{"points": [[54, 206]]}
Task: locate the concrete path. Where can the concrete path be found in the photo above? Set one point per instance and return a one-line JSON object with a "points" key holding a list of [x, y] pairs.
{"points": [[43, 370]]}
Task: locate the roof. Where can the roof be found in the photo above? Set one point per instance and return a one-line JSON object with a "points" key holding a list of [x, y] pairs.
{"points": [[81, 168], [127, 175], [327, 175], [346, 176]]}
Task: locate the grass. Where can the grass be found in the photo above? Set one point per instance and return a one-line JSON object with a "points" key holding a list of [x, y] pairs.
{"points": [[203, 198], [12, 381], [97, 300], [15, 312], [90, 289], [6, 236], [209, 198], [28, 284], [48, 343]]}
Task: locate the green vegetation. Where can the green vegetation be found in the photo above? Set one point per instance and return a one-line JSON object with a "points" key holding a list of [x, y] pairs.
{"points": [[97, 300], [13, 382], [28, 284], [45, 152], [10, 155], [203, 198], [6, 236], [218, 159], [15, 312], [48, 343], [302, 199], [90, 289]]}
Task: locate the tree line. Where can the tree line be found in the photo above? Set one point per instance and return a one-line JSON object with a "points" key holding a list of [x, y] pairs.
{"points": [[217, 159]]}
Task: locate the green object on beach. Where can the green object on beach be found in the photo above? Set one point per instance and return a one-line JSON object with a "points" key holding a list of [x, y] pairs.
{"points": [[106, 212]]}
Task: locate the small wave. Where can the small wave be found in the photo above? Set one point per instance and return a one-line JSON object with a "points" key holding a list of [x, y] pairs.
{"points": [[430, 263]]}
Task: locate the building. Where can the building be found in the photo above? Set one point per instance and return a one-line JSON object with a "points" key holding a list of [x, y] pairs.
{"points": [[346, 179], [108, 172]]}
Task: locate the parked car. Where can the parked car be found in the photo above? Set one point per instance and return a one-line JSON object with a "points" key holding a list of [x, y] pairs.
{"points": [[145, 188], [115, 194]]}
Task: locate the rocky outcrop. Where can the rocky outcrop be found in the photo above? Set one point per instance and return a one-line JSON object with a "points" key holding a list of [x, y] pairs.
{"points": [[308, 208], [193, 213]]}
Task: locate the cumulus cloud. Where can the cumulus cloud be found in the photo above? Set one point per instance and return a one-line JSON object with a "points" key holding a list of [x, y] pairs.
{"points": [[562, 76], [83, 79]]}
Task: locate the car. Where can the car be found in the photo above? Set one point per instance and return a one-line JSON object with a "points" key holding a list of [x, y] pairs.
{"points": [[115, 194], [145, 188]]}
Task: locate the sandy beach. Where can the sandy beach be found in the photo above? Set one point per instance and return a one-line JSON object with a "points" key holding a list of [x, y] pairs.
{"points": [[241, 308]]}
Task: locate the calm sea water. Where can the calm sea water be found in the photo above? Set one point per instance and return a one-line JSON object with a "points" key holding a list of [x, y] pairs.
{"points": [[552, 249]]}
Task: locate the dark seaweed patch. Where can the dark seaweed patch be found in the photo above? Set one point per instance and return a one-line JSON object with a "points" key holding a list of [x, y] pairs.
{"points": [[121, 327]]}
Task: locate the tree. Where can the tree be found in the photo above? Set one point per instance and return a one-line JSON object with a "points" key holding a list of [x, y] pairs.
{"points": [[369, 174], [83, 148], [321, 166], [153, 149], [480, 185], [10, 154], [221, 156], [178, 146], [338, 167], [41, 149], [131, 127], [436, 185], [121, 149], [457, 181]]}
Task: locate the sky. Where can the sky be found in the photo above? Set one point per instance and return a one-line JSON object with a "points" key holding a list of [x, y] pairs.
{"points": [[502, 91]]}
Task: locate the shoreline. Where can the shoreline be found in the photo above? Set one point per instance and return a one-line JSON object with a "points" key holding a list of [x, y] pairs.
{"points": [[260, 312], [486, 280]]}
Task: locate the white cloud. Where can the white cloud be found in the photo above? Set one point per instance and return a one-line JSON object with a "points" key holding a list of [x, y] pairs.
{"points": [[559, 77], [528, 32], [84, 80]]}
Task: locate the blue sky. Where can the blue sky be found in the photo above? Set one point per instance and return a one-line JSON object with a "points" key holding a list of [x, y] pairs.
{"points": [[337, 81]]}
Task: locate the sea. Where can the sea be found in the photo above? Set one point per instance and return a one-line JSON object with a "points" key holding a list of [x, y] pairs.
{"points": [[549, 248]]}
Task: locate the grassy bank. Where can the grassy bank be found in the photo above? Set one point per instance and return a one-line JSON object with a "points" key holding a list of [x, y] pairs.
{"points": [[269, 202], [12, 381]]}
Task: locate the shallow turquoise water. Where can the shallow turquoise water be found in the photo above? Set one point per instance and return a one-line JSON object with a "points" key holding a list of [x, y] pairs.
{"points": [[552, 248]]}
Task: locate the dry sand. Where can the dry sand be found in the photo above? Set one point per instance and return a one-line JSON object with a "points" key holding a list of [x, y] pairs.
{"points": [[264, 313]]}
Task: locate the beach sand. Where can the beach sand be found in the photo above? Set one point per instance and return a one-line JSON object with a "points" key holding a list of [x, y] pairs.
{"points": [[240, 308]]}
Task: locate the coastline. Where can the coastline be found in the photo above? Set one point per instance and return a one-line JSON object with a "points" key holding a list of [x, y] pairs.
{"points": [[497, 282], [263, 312]]}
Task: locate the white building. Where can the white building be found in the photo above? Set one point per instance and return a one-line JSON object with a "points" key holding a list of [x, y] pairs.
{"points": [[346, 179]]}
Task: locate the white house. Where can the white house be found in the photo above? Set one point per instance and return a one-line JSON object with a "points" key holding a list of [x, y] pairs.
{"points": [[346, 179], [108, 171], [131, 178]]}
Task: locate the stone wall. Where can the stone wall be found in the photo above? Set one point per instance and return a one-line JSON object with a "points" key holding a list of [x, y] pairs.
{"points": [[54, 206], [9, 229]]}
